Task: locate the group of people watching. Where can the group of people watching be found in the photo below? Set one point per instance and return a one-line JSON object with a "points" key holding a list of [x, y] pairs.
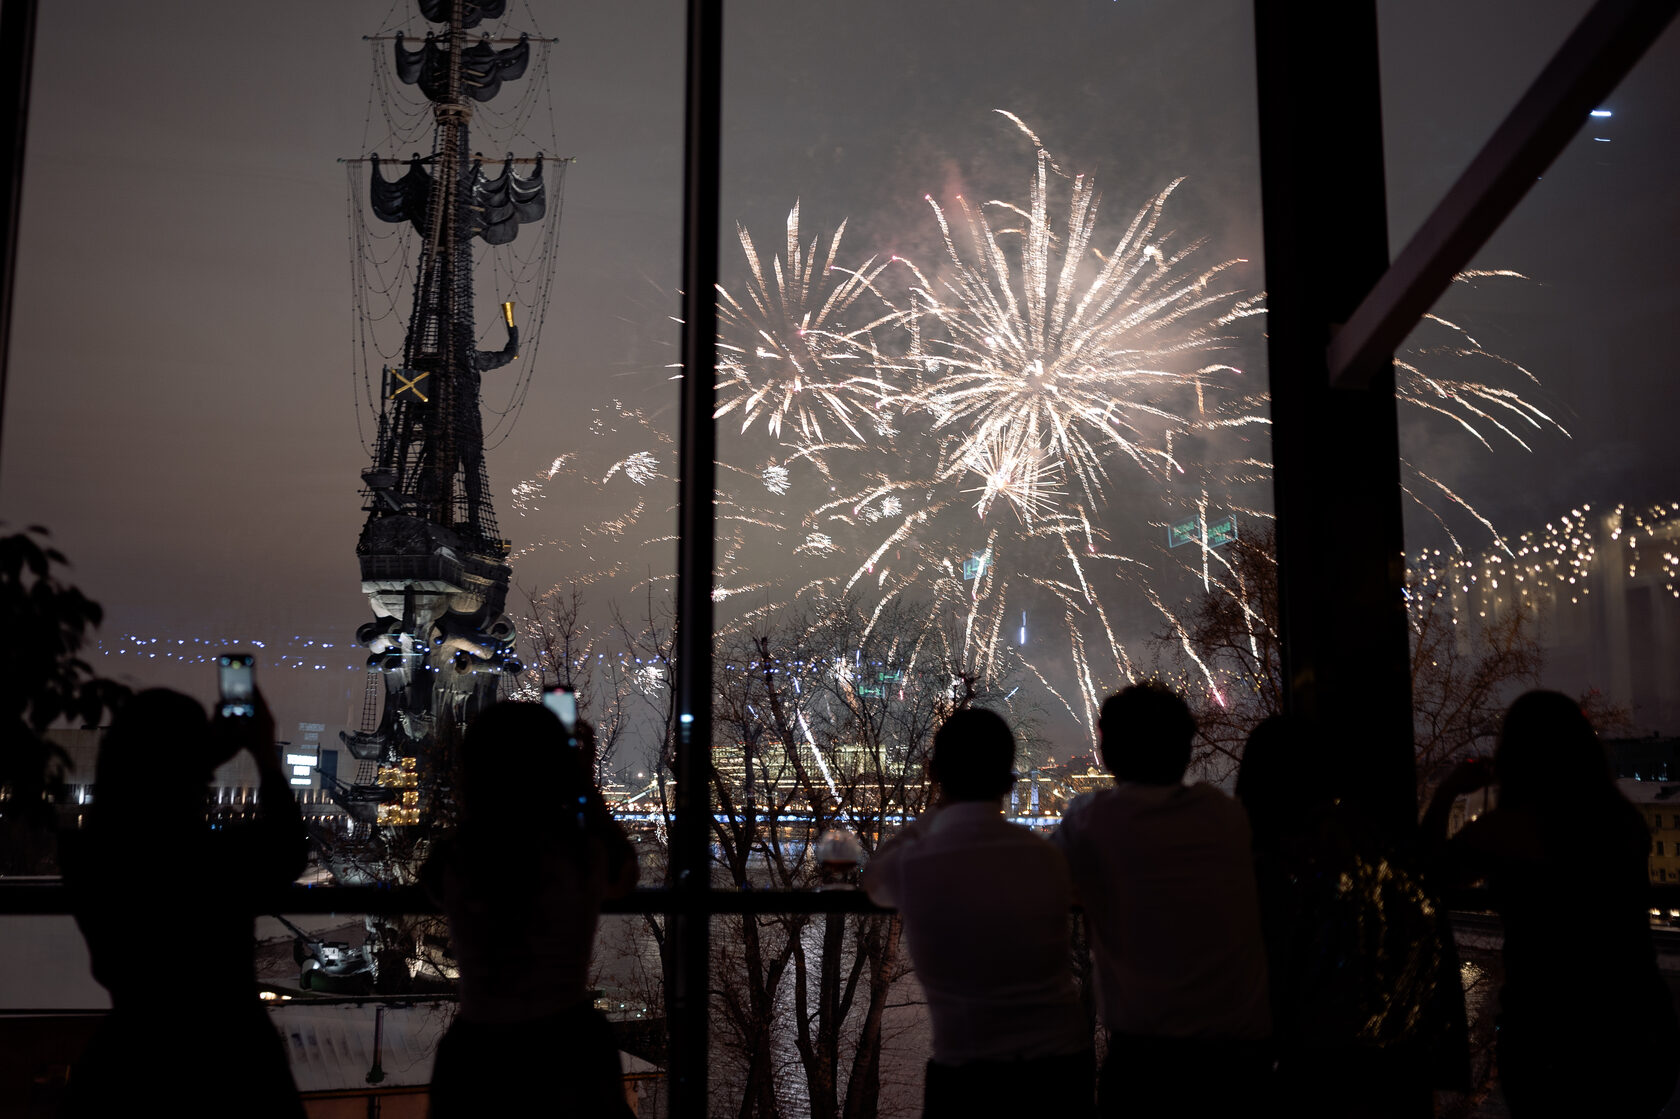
{"points": [[522, 894], [1265, 954], [1271, 954]]}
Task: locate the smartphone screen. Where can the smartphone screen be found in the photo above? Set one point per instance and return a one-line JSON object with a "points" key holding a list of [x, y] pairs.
{"points": [[563, 702], [236, 674]]}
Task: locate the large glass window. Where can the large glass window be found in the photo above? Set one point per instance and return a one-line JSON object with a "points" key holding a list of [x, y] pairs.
{"points": [[992, 429], [1543, 528], [991, 421], [1543, 520], [227, 401], [991, 360], [207, 341]]}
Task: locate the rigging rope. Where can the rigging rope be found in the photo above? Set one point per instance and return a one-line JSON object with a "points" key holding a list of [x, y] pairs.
{"points": [[384, 260]]}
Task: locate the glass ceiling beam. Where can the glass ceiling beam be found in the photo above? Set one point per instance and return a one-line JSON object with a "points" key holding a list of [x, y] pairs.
{"points": [[1589, 65]]}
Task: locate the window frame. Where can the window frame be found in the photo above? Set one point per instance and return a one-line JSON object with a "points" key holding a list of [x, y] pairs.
{"points": [[1346, 382]]}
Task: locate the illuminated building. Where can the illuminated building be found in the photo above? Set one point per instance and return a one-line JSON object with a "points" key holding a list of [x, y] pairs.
{"points": [[232, 790], [1604, 588], [1659, 803]]}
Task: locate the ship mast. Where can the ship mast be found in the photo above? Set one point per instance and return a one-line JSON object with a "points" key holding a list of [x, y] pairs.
{"points": [[433, 564]]}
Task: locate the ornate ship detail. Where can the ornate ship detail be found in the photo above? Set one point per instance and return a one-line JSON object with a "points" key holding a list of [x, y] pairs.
{"points": [[433, 563]]}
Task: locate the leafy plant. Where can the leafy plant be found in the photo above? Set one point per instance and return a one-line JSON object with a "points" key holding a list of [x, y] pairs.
{"points": [[43, 680]]}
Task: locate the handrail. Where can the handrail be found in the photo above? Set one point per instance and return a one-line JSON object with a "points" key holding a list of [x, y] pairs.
{"points": [[50, 897]]}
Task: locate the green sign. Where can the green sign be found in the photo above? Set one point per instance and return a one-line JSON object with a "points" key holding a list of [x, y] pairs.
{"points": [[1190, 532]]}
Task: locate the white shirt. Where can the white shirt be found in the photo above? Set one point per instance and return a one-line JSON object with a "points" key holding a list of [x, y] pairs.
{"points": [[985, 906], [1165, 874]]}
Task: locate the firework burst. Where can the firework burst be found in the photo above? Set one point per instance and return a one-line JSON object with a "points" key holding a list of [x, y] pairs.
{"points": [[786, 354], [1002, 439], [1026, 475], [1043, 341]]}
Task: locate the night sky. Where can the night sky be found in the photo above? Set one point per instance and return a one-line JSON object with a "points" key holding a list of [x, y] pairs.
{"points": [[181, 410]]}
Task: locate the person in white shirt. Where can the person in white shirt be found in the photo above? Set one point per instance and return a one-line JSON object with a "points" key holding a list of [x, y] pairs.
{"points": [[1164, 872], [986, 907]]}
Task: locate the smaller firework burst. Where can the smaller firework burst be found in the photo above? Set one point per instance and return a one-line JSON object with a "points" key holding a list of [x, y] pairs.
{"points": [[788, 356], [1024, 475], [641, 468]]}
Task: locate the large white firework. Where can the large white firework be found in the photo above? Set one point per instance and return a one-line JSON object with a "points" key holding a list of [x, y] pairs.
{"points": [[1042, 343]]}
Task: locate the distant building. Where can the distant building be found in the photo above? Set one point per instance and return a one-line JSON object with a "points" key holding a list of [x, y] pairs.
{"points": [[857, 775], [1040, 792], [1659, 803], [1645, 759], [1084, 773], [1604, 588], [232, 791]]}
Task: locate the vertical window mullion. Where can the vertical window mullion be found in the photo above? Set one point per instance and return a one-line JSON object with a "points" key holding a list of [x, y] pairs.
{"points": [[687, 971]]}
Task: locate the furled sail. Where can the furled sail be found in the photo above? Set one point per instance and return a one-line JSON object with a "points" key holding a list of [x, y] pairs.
{"points": [[498, 206], [483, 67], [439, 11]]}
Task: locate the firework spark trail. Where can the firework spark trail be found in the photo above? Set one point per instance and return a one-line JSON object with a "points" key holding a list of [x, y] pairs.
{"points": [[1022, 473], [1188, 646], [816, 752], [1046, 685], [1082, 673], [1448, 493], [1466, 401]]}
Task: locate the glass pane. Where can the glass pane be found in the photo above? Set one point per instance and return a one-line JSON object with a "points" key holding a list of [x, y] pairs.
{"points": [[1544, 508], [991, 406], [194, 431], [991, 386], [1544, 520], [810, 1010], [346, 1045], [400, 528], [1450, 74]]}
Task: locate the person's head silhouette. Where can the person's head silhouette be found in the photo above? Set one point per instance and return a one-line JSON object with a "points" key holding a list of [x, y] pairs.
{"points": [[1283, 777], [524, 742], [156, 759], [1548, 756], [973, 756], [1145, 732]]}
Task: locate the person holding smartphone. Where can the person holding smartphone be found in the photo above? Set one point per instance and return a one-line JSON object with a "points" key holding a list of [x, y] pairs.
{"points": [[522, 885], [1587, 1025], [182, 974]]}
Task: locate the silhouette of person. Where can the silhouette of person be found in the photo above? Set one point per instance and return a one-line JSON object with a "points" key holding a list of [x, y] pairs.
{"points": [[1165, 875], [521, 881], [1586, 1024], [985, 905], [182, 980]]}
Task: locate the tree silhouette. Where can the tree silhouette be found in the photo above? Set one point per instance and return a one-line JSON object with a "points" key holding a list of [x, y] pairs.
{"points": [[1227, 658]]}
